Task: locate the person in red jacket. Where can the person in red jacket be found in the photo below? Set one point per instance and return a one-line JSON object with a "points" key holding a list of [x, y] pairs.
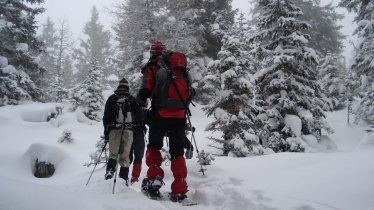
{"points": [[168, 113]]}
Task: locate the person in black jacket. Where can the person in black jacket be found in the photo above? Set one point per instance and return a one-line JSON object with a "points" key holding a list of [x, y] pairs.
{"points": [[138, 145], [118, 129]]}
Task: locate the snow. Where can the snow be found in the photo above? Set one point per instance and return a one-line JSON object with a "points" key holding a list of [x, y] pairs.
{"points": [[3, 61], [23, 47], [171, 19], [47, 153], [293, 122], [9, 69], [112, 78], [339, 178]]}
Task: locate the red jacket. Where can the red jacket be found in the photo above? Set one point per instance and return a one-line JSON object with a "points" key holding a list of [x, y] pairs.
{"points": [[148, 90]]}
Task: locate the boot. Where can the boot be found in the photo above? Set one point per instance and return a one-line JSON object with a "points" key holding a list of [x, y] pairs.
{"points": [[124, 173], [136, 169], [110, 168]]}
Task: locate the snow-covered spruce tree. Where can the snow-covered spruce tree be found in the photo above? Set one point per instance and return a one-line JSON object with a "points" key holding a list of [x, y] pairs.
{"points": [[48, 58], [66, 137], [211, 20], [96, 45], [58, 89], [184, 32], [19, 73], [56, 60], [136, 23], [88, 95], [366, 108], [332, 81], [233, 107], [288, 80], [325, 35], [95, 155], [363, 65], [68, 76], [218, 16], [205, 158]]}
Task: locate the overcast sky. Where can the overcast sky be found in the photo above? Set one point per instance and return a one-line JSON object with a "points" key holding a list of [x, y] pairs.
{"points": [[77, 13]]}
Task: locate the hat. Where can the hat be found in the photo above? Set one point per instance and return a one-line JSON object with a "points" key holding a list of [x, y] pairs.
{"points": [[157, 48], [123, 83]]}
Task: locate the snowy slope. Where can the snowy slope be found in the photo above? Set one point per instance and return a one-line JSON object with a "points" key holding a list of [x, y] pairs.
{"points": [[340, 179]]}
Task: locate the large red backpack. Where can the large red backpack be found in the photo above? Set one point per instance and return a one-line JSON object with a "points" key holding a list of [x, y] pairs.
{"points": [[173, 82]]}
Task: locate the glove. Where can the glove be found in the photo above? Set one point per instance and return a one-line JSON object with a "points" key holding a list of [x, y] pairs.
{"points": [[188, 153], [106, 136], [140, 102]]}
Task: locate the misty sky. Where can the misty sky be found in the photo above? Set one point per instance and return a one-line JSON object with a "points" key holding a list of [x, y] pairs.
{"points": [[77, 13]]}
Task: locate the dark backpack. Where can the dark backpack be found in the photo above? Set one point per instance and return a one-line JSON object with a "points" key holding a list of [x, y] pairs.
{"points": [[173, 82]]}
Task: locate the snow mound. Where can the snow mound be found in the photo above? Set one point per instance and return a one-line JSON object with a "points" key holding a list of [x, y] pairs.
{"points": [[82, 118], [46, 153], [227, 194], [328, 144], [40, 113], [367, 142]]}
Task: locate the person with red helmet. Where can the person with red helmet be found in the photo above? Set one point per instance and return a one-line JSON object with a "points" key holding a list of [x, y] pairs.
{"points": [[167, 83]]}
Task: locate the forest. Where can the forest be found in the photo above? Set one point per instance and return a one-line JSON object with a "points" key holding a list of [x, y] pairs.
{"points": [[267, 80]]}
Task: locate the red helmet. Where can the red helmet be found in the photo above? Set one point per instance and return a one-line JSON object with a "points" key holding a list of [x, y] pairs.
{"points": [[157, 48]]}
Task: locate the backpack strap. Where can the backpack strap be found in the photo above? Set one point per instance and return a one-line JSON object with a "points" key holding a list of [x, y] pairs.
{"points": [[188, 111]]}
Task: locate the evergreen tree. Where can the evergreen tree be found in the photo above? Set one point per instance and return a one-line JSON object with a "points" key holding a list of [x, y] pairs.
{"points": [[233, 106], [68, 76], [95, 155], [138, 24], [363, 65], [217, 17], [58, 88], [19, 73], [88, 95], [48, 59], [194, 27], [66, 137], [95, 46], [288, 80], [325, 35], [332, 81]]}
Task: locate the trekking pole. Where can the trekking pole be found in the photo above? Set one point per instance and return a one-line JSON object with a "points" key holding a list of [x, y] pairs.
{"points": [[115, 171], [188, 113], [194, 140], [97, 161]]}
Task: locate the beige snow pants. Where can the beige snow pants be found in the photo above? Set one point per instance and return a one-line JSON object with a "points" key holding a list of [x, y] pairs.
{"points": [[123, 148]]}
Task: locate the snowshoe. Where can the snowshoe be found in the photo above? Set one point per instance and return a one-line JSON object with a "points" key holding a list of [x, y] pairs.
{"points": [[151, 187], [177, 197], [181, 199], [109, 174]]}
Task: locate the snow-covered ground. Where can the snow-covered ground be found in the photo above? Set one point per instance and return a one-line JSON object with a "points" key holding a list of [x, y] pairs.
{"points": [[340, 179]]}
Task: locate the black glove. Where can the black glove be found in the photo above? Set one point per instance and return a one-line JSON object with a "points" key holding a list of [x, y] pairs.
{"points": [[188, 153], [140, 102], [106, 136]]}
